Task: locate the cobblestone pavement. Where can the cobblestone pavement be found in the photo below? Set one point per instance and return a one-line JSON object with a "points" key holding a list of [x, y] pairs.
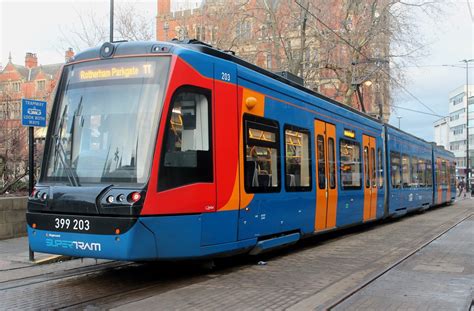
{"points": [[311, 275], [438, 277]]}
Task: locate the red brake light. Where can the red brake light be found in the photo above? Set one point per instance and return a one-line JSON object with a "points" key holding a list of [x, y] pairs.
{"points": [[135, 197]]}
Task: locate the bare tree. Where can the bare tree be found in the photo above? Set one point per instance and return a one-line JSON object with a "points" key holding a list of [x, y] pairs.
{"points": [[92, 29]]}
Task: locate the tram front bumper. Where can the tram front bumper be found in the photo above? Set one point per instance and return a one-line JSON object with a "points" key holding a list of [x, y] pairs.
{"points": [[137, 243]]}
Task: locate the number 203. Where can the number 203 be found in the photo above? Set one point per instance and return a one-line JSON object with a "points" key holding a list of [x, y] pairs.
{"points": [[225, 76]]}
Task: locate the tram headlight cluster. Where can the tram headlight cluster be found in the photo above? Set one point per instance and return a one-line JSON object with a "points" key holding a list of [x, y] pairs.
{"points": [[121, 197]]}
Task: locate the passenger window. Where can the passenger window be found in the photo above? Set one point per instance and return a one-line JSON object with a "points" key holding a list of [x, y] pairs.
{"points": [[366, 167], [444, 174], [429, 174], [321, 162], [414, 172], [395, 165], [297, 159], [406, 171], [350, 164], [422, 172], [332, 163], [187, 145], [374, 171], [380, 168], [262, 161]]}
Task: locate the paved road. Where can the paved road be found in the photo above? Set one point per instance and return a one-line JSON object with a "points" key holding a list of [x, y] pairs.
{"points": [[311, 275]]}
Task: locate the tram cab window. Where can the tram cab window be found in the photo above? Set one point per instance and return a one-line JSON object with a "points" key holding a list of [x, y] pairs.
{"points": [[395, 170], [350, 159], [187, 144], [262, 161], [406, 180], [297, 159]]}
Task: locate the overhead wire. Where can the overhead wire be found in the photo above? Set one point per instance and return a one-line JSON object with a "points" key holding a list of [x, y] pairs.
{"points": [[360, 52], [418, 111]]}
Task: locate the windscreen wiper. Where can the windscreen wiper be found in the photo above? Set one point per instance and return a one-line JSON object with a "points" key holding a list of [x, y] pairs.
{"points": [[61, 154]]}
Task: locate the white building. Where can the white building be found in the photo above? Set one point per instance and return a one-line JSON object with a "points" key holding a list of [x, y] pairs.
{"points": [[441, 132], [458, 102]]}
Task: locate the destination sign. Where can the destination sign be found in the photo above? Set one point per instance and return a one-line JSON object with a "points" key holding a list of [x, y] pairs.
{"points": [[120, 70]]}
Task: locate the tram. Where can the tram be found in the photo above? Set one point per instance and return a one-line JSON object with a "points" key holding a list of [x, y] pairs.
{"points": [[175, 150]]}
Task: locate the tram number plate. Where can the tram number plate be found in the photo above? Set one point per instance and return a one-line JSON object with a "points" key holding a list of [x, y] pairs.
{"points": [[71, 224]]}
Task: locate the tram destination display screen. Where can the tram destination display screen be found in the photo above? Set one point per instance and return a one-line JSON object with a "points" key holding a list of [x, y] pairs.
{"points": [[137, 69]]}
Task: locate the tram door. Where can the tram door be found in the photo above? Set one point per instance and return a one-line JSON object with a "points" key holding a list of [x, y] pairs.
{"points": [[370, 177], [326, 177]]}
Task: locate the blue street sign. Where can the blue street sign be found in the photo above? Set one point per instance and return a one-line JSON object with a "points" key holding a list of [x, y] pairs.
{"points": [[33, 112]]}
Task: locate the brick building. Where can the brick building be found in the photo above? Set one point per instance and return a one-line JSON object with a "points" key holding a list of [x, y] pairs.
{"points": [[279, 35], [30, 80]]}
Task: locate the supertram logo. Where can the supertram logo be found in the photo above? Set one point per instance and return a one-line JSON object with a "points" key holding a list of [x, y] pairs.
{"points": [[74, 245]]}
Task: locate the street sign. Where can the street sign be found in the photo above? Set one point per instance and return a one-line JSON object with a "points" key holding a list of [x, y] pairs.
{"points": [[33, 112]]}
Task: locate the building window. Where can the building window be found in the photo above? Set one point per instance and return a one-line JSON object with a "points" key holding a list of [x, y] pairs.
{"points": [[41, 85], [187, 145], [395, 170], [297, 159], [350, 164], [243, 30], [269, 61], [262, 167], [16, 86]]}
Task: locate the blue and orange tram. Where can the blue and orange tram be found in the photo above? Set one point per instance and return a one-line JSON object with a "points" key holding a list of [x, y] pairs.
{"points": [[173, 150]]}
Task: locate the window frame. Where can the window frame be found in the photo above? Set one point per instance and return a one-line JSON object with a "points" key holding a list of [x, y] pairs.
{"points": [[207, 93], [333, 176], [407, 156], [380, 169], [399, 156], [268, 125], [310, 162], [429, 177], [361, 180]]}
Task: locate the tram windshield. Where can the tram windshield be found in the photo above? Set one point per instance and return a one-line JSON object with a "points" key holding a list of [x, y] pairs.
{"points": [[106, 122]]}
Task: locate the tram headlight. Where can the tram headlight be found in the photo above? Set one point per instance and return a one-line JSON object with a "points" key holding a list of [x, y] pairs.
{"points": [[110, 199]]}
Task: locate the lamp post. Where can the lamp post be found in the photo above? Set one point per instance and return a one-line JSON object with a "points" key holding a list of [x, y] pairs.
{"points": [[399, 117], [466, 62], [111, 21]]}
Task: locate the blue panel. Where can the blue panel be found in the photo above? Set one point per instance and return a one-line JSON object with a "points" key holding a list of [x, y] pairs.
{"points": [[176, 236], [136, 244], [219, 227], [198, 61], [275, 242]]}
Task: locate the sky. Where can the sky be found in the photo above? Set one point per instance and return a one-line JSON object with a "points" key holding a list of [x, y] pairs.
{"points": [[36, 26]]}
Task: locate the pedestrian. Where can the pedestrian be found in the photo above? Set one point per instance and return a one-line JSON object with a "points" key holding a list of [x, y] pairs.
{"points": [[461, 187]]}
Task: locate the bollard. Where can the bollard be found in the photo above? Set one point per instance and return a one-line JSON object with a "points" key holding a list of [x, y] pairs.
{"points": [[31, 253]]}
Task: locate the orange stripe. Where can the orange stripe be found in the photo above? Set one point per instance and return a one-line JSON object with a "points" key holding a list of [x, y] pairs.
{"points": [[373, 161], [321, 207], [332, 193]]}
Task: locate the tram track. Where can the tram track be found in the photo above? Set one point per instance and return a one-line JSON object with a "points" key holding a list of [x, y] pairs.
{"points": [[392, 266], [58, 275]]}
